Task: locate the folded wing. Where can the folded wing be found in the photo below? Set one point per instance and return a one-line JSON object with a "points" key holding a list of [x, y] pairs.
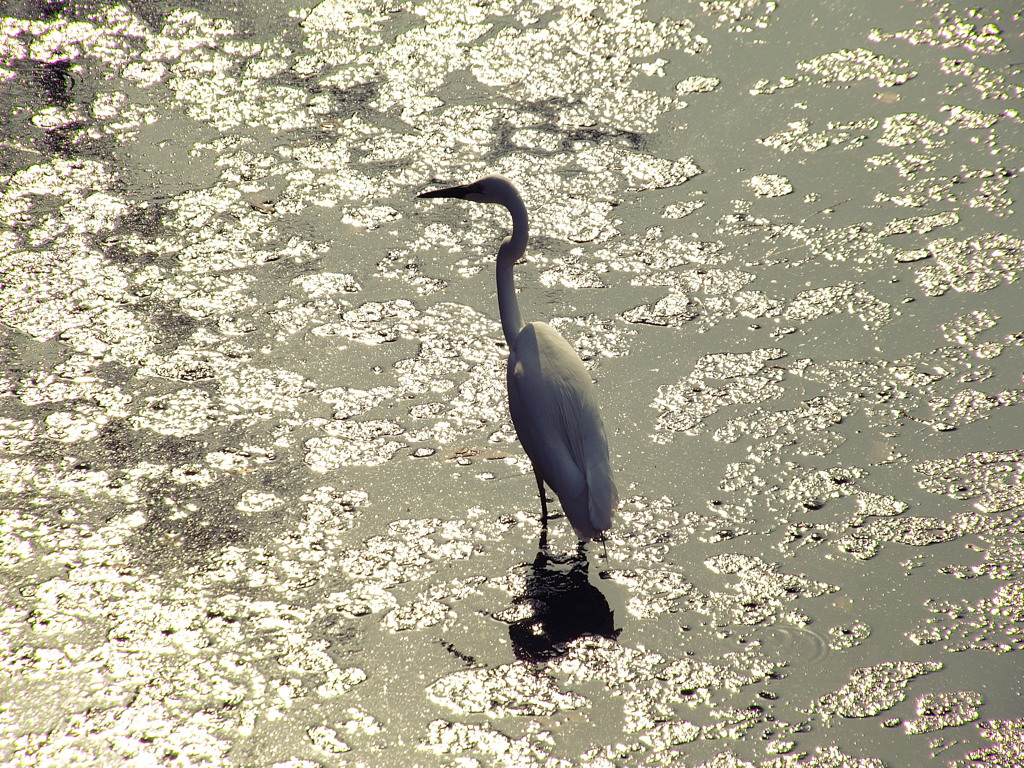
{"points": [[554, 409]]}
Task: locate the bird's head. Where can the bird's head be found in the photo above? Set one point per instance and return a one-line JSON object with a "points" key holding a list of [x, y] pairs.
{"points": [[490, 189]]}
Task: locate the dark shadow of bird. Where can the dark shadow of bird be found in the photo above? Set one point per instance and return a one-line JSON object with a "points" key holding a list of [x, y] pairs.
{"points": [[562, 603]]}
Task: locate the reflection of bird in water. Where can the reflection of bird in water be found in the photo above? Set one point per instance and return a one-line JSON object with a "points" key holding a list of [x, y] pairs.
{"points": [[563, 606], [550, 394]]}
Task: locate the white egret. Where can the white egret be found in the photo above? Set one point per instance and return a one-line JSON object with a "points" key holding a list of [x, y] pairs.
{"points": [[550, 394]]}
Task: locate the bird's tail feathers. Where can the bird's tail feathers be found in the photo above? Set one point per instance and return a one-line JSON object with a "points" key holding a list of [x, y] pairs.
{"points": [[590, 512], [603, 500]]}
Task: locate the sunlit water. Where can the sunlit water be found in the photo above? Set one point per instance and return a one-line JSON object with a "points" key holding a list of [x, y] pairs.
{"points": [[262, 501]]}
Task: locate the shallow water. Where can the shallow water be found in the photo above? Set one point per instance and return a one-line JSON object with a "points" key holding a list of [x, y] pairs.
{"points": [[262, 501]]}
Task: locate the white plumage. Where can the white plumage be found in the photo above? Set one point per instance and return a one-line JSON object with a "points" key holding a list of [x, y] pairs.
{"points": [[551, 398]]}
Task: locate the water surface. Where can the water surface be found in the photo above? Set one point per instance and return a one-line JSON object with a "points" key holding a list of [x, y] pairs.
{"points": [[263, 504]]}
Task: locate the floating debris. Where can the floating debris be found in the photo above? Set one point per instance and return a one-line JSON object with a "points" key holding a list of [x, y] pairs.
{"points": [[872, 690], [697, 84], [952, 28], [944, 710], [971, 266], [515, 689], [799, 136], [770, 185], [847, 66]]}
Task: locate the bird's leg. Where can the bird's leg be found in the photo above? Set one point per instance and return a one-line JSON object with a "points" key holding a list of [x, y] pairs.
{"points": [[543, 545], [543, 496], [540, 491]]}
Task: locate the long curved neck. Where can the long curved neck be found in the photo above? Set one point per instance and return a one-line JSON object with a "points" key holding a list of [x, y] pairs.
{"points": [[512, 249]]}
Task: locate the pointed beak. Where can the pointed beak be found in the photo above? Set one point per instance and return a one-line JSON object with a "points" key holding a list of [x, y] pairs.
{"points": [[459, 192]]}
